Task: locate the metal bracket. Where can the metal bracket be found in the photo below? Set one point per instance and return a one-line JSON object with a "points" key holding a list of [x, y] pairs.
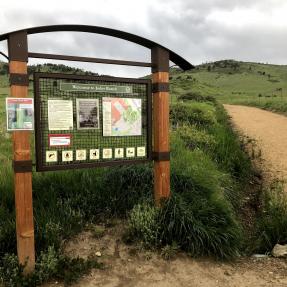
{"points": [[22, 166], [161, 156], [19, 80], [160, 59], [160, 87], [18, 46]]}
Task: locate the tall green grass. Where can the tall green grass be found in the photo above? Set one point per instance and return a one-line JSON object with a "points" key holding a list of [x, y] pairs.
{"points": [[201, 216], [272, 219], [208, 167]]}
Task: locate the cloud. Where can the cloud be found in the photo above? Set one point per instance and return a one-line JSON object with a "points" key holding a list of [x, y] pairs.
{"points": [[200, 31]]}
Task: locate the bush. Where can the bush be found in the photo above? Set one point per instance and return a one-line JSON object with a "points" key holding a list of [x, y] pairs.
{"points": [[49, 264], [195, 138], [143, 224], [193, 96], [199, 114], [199, 227], [197, 218], [272, 221]]}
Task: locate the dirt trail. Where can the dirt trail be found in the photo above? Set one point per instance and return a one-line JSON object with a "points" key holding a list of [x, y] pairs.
{"points": [[130, 266], [270, 132]]}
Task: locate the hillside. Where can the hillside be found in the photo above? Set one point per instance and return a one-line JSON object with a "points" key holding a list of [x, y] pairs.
{"points": [[235, 82]]}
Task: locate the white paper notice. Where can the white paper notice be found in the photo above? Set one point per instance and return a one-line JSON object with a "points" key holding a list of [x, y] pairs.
{"points": [[107, 118], [60, 115]]}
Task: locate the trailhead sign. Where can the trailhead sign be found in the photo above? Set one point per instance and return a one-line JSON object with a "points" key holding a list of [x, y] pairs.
{"points": [[85, 121]]}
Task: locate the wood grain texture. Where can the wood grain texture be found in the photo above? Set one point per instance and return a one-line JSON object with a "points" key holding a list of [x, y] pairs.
{"points": [[23, 183], [161, 139]]}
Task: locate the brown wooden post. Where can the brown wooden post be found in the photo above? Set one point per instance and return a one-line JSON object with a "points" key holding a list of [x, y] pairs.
{"points": [[160, 78], [22, 164]]}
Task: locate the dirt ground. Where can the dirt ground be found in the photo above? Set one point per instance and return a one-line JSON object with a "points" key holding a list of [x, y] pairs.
{"points": [[129, 266], [270, 132]]}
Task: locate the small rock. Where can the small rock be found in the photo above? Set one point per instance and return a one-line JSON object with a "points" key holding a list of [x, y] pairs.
{"points": [[98, 254], [279, 250], [259, 256]]}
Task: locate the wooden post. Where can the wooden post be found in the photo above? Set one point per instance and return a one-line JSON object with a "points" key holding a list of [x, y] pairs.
{"points": [[161, 152], [22, 164]]}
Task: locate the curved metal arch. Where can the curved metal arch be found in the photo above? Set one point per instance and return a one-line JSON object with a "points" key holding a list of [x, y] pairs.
{"points": [[4, 55], [175, 58]]}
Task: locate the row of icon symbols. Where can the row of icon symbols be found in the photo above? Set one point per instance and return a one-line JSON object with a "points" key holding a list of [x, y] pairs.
{"points": [[96, 154]]}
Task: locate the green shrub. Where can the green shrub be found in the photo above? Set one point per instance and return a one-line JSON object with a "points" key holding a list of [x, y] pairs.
{"points": [[195, 138], [193, 113], [198, 217], [49, 264], [194, 170], [272, 221], [199, 227], [143, 224], [194, 96], [228, 151]]}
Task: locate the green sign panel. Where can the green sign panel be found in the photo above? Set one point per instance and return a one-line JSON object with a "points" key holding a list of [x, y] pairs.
{"points": [[85, 121], [95, 88]]}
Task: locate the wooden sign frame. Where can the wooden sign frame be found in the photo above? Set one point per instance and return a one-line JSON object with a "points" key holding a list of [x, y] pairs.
{"points": [[18, 56]]}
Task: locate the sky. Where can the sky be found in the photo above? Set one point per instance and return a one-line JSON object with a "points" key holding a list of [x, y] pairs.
{"points": [[198, 30]]}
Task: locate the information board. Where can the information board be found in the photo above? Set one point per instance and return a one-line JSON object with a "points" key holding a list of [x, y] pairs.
{"points": [[20, 114], [87, 121]]}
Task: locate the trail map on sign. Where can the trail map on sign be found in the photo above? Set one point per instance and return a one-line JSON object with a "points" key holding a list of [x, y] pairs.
{"points": [[122, 117]]}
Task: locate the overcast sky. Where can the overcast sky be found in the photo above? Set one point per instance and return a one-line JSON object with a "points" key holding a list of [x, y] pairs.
{"points": [[198, 30]]}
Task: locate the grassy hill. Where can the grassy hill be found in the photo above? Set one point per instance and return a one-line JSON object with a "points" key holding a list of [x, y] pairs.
{"points": [[236, 82]]}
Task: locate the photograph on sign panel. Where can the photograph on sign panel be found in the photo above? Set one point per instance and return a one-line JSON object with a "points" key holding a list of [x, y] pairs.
{"points": [[122, 117], [20, 113], [88, 114]]}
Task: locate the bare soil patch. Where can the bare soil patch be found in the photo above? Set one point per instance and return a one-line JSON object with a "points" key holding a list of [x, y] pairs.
{"points": [[130, 265]]}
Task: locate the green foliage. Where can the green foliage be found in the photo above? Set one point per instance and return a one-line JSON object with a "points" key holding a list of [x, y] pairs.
{"points": [[50, 264], [279, 105], [169, 251], [197, 225], [201, 114], [195, 96], [197, 218], [235, 82], [228, 149], [200, 226], [272, 221], [195, 138], [143, 224]]}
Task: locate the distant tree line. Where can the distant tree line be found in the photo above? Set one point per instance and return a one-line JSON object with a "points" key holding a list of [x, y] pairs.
{"points": [[53, 68]]}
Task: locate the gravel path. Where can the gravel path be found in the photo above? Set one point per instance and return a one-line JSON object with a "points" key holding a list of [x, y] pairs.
{"points": [[270, 132]]}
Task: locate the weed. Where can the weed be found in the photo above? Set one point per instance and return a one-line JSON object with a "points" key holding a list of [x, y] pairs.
{"points": [[169, 251]]}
